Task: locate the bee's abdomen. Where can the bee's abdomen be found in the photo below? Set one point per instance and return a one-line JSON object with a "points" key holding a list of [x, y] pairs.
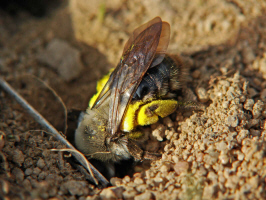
{"points": [[162, 81]]}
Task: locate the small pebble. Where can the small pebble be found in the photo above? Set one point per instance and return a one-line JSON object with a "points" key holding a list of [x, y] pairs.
{"points": [[126, 179], [263, 94], [129, 194], [62, 57], [115, 181], [257, 109], [19, 174], [248, 55], [37, 171], [252, 92], [145, 195], [18, 157], [28, 171], [224, 159], [202, 94], [112, 193], [196, 74], [232, 121], [252, 123], [138, 180], [181, 167], [2, 140], [249, 104], [158, 179], [40, 163], [75, 187]]}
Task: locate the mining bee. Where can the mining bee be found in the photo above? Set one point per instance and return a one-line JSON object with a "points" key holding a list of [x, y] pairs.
{"points": [[142, 88]]}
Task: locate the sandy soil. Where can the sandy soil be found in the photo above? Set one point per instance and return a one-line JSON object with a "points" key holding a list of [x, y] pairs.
{"points": [[218, 153]]}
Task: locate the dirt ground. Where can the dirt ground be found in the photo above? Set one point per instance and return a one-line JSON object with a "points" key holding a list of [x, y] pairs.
{"points": [[217, 153]]}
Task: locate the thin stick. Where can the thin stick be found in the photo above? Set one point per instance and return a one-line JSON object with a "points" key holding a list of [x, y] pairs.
{"points": [[44, 123], [73, 151]]}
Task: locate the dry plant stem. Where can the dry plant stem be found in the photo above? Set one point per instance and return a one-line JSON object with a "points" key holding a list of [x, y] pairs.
{"points": [[44, 123]]}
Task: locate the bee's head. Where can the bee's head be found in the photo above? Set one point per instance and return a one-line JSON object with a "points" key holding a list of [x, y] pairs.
{"points": [[90, 136], [92, 139]]}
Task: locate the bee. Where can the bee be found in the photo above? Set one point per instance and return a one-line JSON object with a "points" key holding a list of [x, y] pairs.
{"points": [[142, 88]]}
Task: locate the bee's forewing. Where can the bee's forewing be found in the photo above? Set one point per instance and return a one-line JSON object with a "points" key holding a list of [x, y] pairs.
{"points": [[145, 48], [139, 30], [162, 46]]}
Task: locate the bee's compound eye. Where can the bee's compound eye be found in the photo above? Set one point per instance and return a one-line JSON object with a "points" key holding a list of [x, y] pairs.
{"points": [[90, 132]]}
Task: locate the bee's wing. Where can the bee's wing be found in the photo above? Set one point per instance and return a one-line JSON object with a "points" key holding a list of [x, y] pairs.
{"points": [[145, 48]]}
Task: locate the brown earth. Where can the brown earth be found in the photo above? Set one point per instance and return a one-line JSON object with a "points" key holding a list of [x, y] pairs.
{"points": [[218, 153]]}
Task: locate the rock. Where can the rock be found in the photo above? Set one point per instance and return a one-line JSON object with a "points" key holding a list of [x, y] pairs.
{"points": [[202, 94], [145, 195], [77, 188], [112, 193], [19, 174], [181, 167], [62, 57], [40, 163], [18, 157], [232, 121]]}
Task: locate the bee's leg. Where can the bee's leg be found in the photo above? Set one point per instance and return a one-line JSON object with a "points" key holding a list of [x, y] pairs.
{"points": [[138, 154], [151, 156], [190, 105], [135, 151]]}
